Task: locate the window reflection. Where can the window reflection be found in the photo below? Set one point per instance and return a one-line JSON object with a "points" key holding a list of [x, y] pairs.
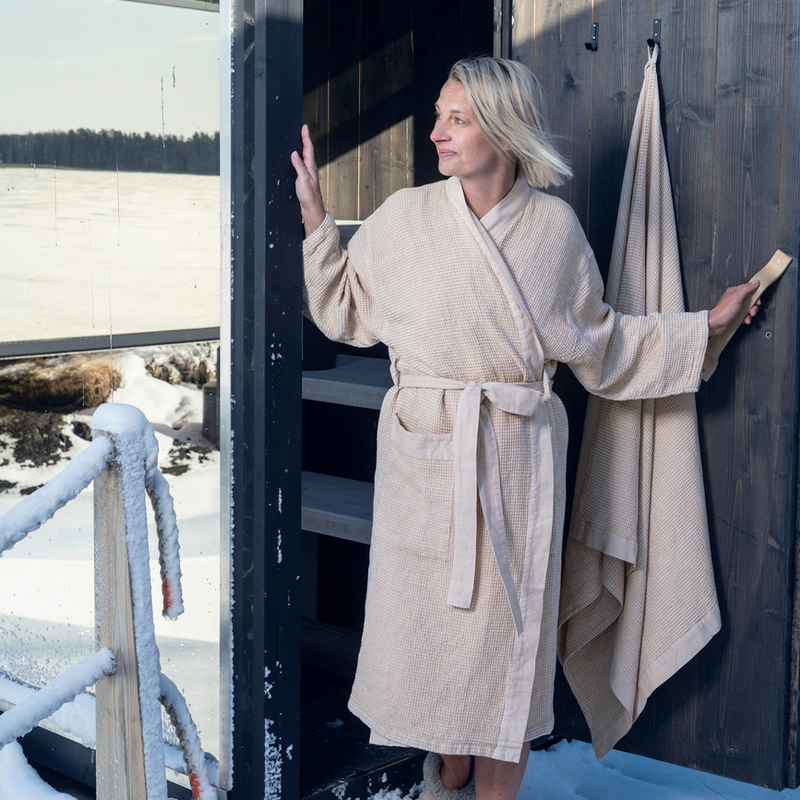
{"points": [[109, 225]]}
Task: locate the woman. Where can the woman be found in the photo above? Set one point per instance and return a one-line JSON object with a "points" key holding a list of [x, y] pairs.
{"points": [[478, 285]]}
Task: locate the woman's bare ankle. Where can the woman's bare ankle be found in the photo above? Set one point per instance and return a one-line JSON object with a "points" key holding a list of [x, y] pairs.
{"points": [[455, 771]]}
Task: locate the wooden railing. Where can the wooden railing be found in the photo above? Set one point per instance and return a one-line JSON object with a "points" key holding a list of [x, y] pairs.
{"points": [[122, 460]]}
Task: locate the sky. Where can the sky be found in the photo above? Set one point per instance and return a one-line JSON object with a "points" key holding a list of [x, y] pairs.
{"points": [[102, 64]]}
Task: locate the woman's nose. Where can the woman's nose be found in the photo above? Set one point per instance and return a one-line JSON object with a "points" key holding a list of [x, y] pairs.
{"points": [[438, 133]]}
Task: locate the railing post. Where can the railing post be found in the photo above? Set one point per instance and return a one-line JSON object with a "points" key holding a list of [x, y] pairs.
{"points": [[123, 762]]}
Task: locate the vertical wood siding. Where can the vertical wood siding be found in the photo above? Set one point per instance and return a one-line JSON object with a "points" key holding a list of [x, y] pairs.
{"points": [[729, 75], [373, 73]]}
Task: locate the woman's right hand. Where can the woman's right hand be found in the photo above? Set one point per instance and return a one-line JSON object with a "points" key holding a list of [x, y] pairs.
{"points": [[307, 184]]}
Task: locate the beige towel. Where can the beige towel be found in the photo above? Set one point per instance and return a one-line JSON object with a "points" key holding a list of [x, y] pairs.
{"points": [[638, 598]]}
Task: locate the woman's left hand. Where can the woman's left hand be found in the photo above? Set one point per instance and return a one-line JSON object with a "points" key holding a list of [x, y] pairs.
{"points": [[306, 186], [729, 308]]}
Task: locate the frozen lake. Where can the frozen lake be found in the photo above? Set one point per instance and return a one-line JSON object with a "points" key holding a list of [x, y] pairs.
{"points": [[87, 253]]}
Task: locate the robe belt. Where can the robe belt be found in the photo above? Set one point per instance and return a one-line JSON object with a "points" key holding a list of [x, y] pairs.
{"points": [[476, 462]]}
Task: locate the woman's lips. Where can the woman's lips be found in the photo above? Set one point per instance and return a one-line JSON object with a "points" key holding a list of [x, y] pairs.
{"points": [[445, 153]]}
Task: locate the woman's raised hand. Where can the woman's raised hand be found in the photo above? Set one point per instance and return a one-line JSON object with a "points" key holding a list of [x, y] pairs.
{"points": [[730, 306], [307, 184]]}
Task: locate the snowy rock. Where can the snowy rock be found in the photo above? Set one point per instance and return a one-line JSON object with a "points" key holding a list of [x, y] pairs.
{"points": [[185, 363], [34, 438], [63, 383]]}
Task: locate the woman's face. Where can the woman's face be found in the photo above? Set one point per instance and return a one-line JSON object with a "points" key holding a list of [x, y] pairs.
{"points": [[463, 149]]}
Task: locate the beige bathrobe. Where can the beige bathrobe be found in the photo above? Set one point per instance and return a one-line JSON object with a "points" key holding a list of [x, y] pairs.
{"points": [[459, 646]]}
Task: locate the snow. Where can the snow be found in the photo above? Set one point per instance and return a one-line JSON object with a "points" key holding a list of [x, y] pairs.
{"points": [[60, 558], [397, 794], [567, 771], [76, 717], [33, 511], [272, 764], [60, 555], [26, 715], [19, 781], [157, 260]]}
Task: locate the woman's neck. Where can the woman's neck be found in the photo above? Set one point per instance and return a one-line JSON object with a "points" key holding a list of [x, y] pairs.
{"points": [[483, 194]]}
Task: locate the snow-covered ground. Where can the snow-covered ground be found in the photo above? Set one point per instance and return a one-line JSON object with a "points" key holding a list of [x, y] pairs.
{"points": [[85, 247], [567, 771], [47, 580]]}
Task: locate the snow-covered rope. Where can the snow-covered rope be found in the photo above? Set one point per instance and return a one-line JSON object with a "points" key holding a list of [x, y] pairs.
{"points": [[26, 715], [168, 546], [35, 509], [186, 730]]}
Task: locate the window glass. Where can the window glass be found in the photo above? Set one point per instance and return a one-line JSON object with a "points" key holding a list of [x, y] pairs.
{"points": [[109, 225]]}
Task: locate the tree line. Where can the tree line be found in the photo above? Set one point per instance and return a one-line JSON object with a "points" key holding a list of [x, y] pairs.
{"points": [[111, 150]]}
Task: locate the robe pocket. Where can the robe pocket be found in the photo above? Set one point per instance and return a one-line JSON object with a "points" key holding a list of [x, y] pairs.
{"points": [[419, 479], [437, 446]]}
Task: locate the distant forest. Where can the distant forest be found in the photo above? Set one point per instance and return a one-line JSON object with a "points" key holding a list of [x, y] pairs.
{"points": [[109, 150]]}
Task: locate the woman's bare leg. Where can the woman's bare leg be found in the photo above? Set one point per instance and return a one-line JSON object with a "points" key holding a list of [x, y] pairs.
{"points": [[455, 771], [499, 780]]}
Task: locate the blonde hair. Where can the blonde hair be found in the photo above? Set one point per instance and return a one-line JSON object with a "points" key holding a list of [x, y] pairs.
{"points": [[507, 101]]}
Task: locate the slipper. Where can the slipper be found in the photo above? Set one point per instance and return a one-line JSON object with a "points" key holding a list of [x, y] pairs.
{"points": [[434, 789]]}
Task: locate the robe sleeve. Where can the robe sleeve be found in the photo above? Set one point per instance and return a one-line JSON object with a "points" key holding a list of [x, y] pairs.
{"points": [[623, 357], [335, 293]]}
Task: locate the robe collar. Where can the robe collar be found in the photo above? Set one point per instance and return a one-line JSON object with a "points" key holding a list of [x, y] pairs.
{"points": [[495, 221]]}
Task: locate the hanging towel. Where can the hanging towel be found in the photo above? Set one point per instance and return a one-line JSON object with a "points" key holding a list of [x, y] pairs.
{"points": [[638, 598]]}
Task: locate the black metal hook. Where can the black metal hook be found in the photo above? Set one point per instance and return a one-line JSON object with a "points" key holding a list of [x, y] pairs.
{"points": [[592, 45], [656, 40]]}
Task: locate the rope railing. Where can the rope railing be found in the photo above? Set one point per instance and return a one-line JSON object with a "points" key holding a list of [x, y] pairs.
{"points": [[122, 460], [26, 715], [34, 510]]}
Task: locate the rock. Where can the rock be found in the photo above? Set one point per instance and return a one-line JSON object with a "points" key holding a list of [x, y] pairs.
{"points": [[82, 430], [38, 437], [6, 486], [180, 457], [184, 363], [58, 383]]}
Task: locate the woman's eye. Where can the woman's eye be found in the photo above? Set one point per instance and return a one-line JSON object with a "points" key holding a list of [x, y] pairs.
{"points": [[460, 120]]}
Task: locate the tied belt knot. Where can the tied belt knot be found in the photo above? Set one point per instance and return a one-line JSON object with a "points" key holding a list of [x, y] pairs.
{"points": [[476, 463]]}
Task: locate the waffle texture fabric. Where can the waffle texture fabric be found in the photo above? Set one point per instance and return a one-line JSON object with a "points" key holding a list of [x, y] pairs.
{"points": [[422, 275], [638, 598]]}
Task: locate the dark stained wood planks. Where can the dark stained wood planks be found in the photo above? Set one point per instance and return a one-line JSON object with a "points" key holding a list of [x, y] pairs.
{"points": [[785, 327], [344, 54], [616, 82], [316, 45], [564, 68], [386, 104], [729, 73], [743, 409], [374, 72]]}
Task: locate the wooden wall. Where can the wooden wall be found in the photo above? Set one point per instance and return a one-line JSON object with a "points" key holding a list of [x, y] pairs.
{"points": [[729, 75], [372, 74]]}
